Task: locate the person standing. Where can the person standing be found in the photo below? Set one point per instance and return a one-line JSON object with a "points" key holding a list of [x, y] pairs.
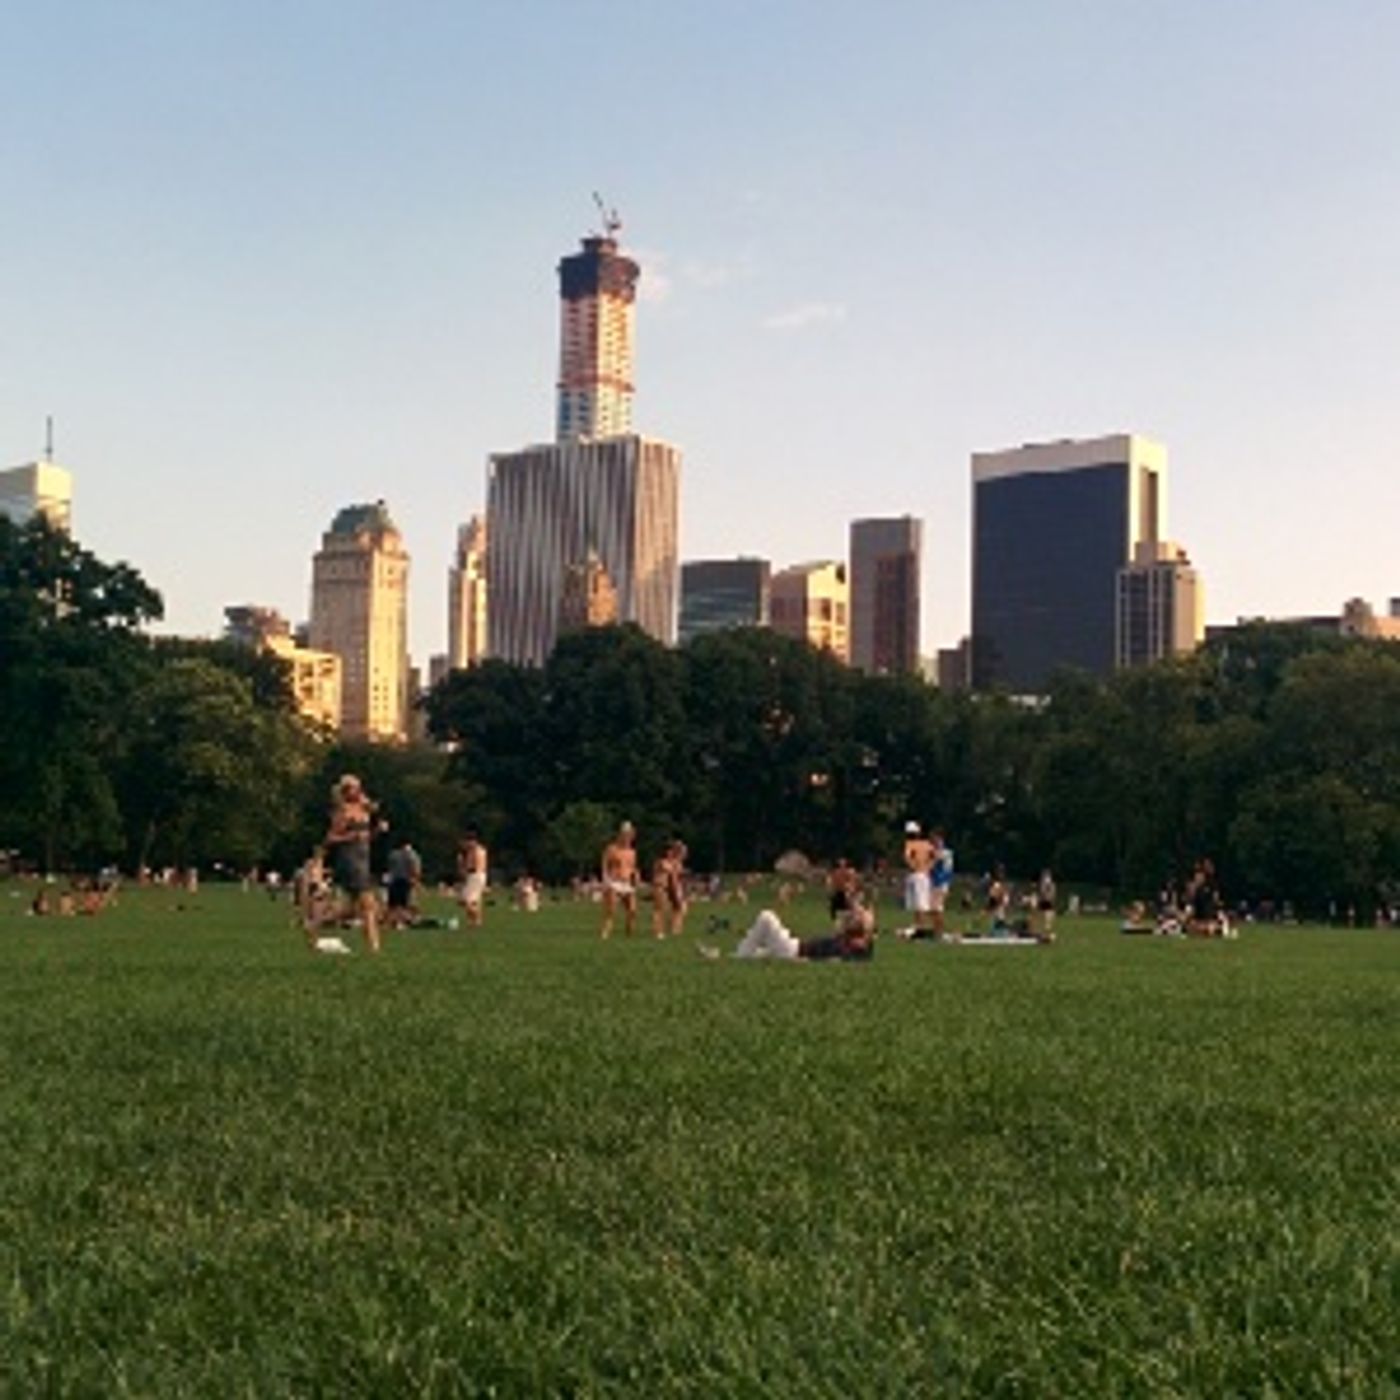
{"points": [[472, 865], [918, 883], [353, 824], [941, 878], [668, 891], [620, 879], [843, 888], [405, 871], [1045, 898]]}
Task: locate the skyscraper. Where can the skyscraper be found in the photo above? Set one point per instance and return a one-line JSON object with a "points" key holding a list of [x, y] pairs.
{"points": [[886, 562], [359, 600], [720, 593], [599, 491], [597, 320], [1053, 523], [549, 507], [812, 602], [37, 488], [466, 597], [1161, 606]]}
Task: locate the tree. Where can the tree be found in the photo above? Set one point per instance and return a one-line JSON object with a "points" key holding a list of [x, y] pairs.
{"points": [[210, 774], [72, 658]]}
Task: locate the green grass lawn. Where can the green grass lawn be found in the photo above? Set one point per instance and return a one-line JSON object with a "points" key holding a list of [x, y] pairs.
{"points": [[525, 1162]]}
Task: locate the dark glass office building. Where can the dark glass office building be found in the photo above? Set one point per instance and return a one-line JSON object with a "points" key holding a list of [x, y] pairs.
{"points": [[719, 593], [1053, 523]]}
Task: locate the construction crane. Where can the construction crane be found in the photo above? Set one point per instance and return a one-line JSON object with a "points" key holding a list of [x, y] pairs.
{"points": [[612, 225]]}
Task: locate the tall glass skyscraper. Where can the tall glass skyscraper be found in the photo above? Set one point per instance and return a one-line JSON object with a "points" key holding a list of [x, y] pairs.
{"points": [[1053, 523]]}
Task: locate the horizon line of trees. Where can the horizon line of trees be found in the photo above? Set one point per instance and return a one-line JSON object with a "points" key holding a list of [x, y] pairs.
{"points": [[1275, 752]]}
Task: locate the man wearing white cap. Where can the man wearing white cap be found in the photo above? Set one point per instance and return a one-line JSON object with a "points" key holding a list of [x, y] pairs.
{"points": [[919, 856]]}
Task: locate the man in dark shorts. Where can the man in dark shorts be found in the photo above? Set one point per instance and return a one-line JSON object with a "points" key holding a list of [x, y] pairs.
{"points": [[404, 870], [844, 886]]}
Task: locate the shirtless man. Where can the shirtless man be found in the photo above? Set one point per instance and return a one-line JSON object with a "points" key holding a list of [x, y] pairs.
{"points": [[471, 867], [620, 879], [919, 856]]}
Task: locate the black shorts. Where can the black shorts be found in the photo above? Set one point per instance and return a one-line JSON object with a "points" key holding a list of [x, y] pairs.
{"points": [[839, 903], [399, 893]]}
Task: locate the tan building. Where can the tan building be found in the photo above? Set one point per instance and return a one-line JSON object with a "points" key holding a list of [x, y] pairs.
{"points": [[359, 598], [812, 602], [315, 675], [1160, 606], [466, 597], [37, 488], [589, 598]]}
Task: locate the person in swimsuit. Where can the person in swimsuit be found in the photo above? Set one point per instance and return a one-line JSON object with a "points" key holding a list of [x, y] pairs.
{"points": [[668, 891], [472, 865], [620, 879], [353, 825]]}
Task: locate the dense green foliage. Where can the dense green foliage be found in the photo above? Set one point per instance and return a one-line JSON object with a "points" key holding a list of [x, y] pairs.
{"points": [[525, 1162], [1277, 754], [117, 748]]}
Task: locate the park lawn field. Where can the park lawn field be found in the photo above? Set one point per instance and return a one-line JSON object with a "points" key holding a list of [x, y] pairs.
{"points": [[524, 1162]]}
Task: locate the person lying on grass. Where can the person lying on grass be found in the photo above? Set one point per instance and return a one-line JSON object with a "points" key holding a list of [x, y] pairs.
{"points": [[768, 937]]}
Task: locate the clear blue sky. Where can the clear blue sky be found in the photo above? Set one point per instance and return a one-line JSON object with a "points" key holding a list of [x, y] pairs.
{"points": [[263, 259]]}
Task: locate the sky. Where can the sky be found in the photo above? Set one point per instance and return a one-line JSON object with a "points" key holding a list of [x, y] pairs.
{"points": [[261, 260]]}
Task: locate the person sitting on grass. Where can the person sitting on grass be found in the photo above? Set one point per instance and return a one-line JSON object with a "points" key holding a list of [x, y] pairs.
{"points": [[769, 938]]}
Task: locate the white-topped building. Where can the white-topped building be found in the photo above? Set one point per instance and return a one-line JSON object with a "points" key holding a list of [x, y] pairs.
{"points": [[37, 488]]}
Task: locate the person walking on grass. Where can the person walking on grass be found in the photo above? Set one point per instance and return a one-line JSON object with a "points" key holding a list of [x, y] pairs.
{"points": [[354, 821], [620, 879], [472, 865]]}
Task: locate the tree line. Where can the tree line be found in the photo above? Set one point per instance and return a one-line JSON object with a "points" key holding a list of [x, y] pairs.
{"points": [[1276, 752]]}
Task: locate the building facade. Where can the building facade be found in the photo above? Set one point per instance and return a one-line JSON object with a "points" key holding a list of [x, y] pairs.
{"points": [[1160, 607], [886, 569], [552, 507], [37, 488], [315, 676], [466, 597], [359, 612], [597, 322], [812, 602], [588, 598], [720, 593], [1053, 523], [599, 492]]}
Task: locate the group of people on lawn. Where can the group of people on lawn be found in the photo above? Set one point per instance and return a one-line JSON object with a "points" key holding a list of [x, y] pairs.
{"points": [[343, 861]]}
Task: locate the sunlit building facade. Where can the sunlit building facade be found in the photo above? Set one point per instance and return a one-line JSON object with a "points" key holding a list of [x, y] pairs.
{"points": [[359, 612]]}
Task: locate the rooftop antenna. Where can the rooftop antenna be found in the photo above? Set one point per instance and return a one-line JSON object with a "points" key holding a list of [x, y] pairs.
{"points": [[48, 438], [612, 225]]}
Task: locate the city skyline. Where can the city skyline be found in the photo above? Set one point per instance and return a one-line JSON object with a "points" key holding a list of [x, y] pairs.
{"points": [[307, 266]]}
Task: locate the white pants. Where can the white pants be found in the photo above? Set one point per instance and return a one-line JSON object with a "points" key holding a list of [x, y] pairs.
{"points": [[767, 938]]}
